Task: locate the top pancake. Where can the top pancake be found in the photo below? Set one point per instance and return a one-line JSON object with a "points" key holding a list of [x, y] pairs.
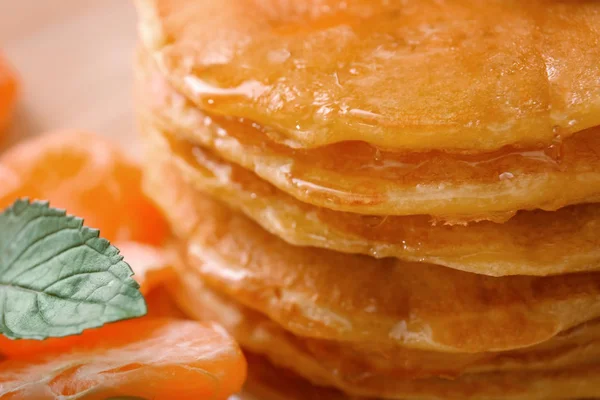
{"points": [[454, 75]]}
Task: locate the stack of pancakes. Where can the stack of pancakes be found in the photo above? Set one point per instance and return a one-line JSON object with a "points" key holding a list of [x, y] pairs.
{"points": [[384, 199]]}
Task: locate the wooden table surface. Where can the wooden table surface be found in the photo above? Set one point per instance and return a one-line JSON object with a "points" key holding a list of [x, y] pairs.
{"points": [[74, 58]]}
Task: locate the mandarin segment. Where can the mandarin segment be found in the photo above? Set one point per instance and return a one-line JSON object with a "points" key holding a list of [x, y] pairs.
{"points": [[150, 358], [150, 264], [89, 177], [162, 305], [8, 93]]}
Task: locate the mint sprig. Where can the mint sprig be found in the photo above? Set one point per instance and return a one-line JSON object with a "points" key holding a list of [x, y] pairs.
{"points": [[58, 277]]}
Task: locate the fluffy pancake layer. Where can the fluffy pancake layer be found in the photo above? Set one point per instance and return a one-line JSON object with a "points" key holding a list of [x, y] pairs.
{"points": [[531, 243], [357, 177], [323, 294], [353, 361], [404, 75], [369, 370]]}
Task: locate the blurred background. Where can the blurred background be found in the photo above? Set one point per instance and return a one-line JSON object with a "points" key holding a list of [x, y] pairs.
{"points": [[74, 59]]}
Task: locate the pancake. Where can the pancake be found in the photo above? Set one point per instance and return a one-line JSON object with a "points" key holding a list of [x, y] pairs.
{"points": [[357, 177], [332, 364], [272, 383], [531, 243], [461, 75], [333, 296], [354, 361]]}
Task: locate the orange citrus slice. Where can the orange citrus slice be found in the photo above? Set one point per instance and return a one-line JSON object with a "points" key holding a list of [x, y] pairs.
{"points": [[148, 358]]}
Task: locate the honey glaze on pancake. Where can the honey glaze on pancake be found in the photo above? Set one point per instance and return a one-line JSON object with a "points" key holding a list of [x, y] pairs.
{"points": [[573, 352], [359, 361], [531, 243], [328, 295], [358, 177], [455, 75]]}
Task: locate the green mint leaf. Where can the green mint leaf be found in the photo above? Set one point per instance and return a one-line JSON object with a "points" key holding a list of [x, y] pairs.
{"points": [[57, 277]]}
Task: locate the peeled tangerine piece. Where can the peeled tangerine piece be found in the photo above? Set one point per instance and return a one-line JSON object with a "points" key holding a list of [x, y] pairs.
{"points": [[451, 75], [150, 264], [360, 178], [329, 295], [397, 372], [531, 243], [89, 177], [148, 358], [8, 93]]}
